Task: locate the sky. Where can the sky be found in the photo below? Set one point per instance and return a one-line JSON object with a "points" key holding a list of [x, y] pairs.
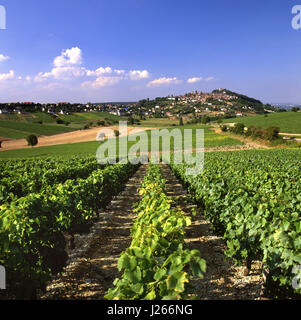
{"points": [[127, 50]]}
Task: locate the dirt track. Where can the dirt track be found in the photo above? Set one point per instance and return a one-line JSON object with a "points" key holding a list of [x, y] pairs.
{"points": [[64, 138]]}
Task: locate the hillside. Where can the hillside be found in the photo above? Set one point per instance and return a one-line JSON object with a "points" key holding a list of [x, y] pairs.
{"points": [[241, 100], [289, 122], [18, 126], [222, 102]]}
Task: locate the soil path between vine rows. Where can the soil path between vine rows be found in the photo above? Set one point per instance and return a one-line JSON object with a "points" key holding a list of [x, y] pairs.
{"points": [[92, 266], [222, 280]]}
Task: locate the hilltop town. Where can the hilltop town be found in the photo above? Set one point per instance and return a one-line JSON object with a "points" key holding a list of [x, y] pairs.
{"points": [[220, 102]]}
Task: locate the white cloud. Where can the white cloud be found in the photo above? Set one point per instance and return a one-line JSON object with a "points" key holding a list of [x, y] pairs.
{"points": [[119, 71], [67, 73], [102, 82], [68, 57], [100, 71], [3, 57], [163, 81], [138, 74], [194, 80], [66, 67], [209, 79], [42, 76], [7, 76]]}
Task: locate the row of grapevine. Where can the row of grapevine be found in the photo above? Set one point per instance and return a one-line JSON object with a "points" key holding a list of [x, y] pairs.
{"points": [[156, 266], [253, 198], [32, 243], [18, 181], [19, 166]]}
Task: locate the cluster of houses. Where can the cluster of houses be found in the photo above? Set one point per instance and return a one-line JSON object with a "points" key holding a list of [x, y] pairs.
{"points": [[64, 108], [199, 96], [17, 110]]}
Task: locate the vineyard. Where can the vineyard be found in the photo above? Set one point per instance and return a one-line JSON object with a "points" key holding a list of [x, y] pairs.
{"points": [[37, 213], [252, 200]]}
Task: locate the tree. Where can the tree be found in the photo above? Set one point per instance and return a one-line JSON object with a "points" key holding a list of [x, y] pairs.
{"points": [[131, 120], [59, 121], [271, 133], [116, 133], [205, 120], [181, 121], [224, 128], [32, 140], [0, 144], [239, 128], [295, 109]]}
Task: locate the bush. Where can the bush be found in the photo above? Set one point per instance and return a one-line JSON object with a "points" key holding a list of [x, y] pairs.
{"points": [[239, 128], [250, 131], [59, 121], [131, 121], [224, 128], [116, 133], [32, 140], [271, 133], [205, 120]]}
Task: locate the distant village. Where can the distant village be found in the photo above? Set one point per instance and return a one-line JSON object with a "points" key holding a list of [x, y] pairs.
{"points": [[220, 102], [63, 108]]}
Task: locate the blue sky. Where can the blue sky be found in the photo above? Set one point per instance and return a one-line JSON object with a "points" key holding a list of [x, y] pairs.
{"points": [[126, 50]]}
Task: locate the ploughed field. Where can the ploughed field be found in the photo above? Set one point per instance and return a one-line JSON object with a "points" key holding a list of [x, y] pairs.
{"points": [[250, 199]]}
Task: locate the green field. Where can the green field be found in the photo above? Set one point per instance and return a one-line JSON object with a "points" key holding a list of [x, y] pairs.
{"points": [[15, 126], [89, 148], [20, 129], [90, 116], [289, 122], [158, 122]]}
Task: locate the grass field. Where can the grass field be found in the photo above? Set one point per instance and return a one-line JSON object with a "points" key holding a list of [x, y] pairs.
{"points": [[15, 126], [289, 122], [158, 122], [89, 148], [20, 129], [90, 116]]}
